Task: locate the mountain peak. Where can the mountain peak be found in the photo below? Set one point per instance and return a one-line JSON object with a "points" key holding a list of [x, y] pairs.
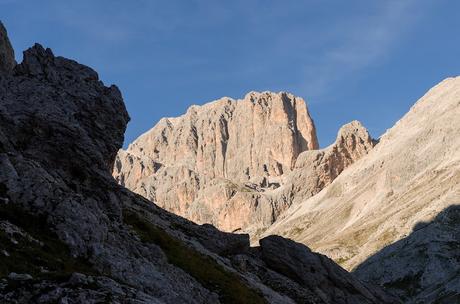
{"points": [[7, 61]]}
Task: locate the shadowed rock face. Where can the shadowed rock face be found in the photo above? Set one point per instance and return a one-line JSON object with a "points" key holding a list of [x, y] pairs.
{"points": [[70, 233], [237, 164], [311, 270], [85, 114], [424, 265], [7, 61]]}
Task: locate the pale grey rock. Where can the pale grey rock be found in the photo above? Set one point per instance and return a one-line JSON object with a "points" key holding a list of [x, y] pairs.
{"points": [[316, 169], [237, 164], [260, 135], [410, 177], [206, 164]]}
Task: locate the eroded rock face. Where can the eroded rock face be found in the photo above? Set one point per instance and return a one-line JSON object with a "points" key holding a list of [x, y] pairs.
{"points": [[210, 164], [70, 233], [260, 135], [247, 140], [237, 164], [316, 169]]}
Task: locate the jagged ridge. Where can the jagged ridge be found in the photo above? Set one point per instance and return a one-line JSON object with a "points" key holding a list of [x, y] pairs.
{"points": [[237, 164]]}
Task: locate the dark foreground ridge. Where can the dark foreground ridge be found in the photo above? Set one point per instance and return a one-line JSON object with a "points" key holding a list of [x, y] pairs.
{"points": [[70, 234]]}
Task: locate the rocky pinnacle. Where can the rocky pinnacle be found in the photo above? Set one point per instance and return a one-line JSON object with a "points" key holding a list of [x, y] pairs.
{"points": [[7, 61]]}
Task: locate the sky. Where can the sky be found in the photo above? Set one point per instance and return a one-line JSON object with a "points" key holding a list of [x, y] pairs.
{"points": [[364, 60]]}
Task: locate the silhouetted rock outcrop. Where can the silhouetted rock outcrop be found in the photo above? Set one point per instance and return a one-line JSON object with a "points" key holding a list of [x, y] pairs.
{"points": [[313, 271], [7, 61], [70, 234]]}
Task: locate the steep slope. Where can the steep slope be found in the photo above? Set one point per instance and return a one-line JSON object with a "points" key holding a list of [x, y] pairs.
{"points": [[194, 164], [411, 175], [70, 234], [237, 164], [7, 61], [258, 136], [423, 267], [316, 169]]}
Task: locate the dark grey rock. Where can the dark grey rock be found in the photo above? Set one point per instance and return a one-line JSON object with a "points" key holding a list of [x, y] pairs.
{"points": [[19, 276], [314, 271], [424, 267], [7, 61]]}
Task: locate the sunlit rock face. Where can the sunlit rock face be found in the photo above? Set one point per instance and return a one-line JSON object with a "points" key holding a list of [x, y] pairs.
{"points": [[400, 193], [237, 164], [194, 165], [242, 140]]}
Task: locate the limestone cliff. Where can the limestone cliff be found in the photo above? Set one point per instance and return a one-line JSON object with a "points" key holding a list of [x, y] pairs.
{"points": [[316, 169], [237, 164]]}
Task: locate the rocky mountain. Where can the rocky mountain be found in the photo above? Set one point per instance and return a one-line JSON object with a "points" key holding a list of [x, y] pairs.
{"points": [[70, 234], [237, 164], [7, 61], [424, 266], [315, 169], [390, 215]]}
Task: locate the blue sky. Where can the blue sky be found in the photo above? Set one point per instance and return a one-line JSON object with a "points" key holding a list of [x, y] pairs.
{"points": [[364, 60]]}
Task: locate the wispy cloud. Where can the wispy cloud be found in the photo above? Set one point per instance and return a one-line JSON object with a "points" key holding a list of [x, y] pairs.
{"points": [[358, 44]]}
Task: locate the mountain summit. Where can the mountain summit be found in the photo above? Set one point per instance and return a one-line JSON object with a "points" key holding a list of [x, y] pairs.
{"points": [[236, 164], [7, 61]]}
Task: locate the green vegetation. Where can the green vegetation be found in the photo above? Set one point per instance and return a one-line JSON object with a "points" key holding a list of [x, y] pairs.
{"points": [[32, 257], [237, 188], [297, 231], [209, 273], [341, 260], [387, 237]]}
